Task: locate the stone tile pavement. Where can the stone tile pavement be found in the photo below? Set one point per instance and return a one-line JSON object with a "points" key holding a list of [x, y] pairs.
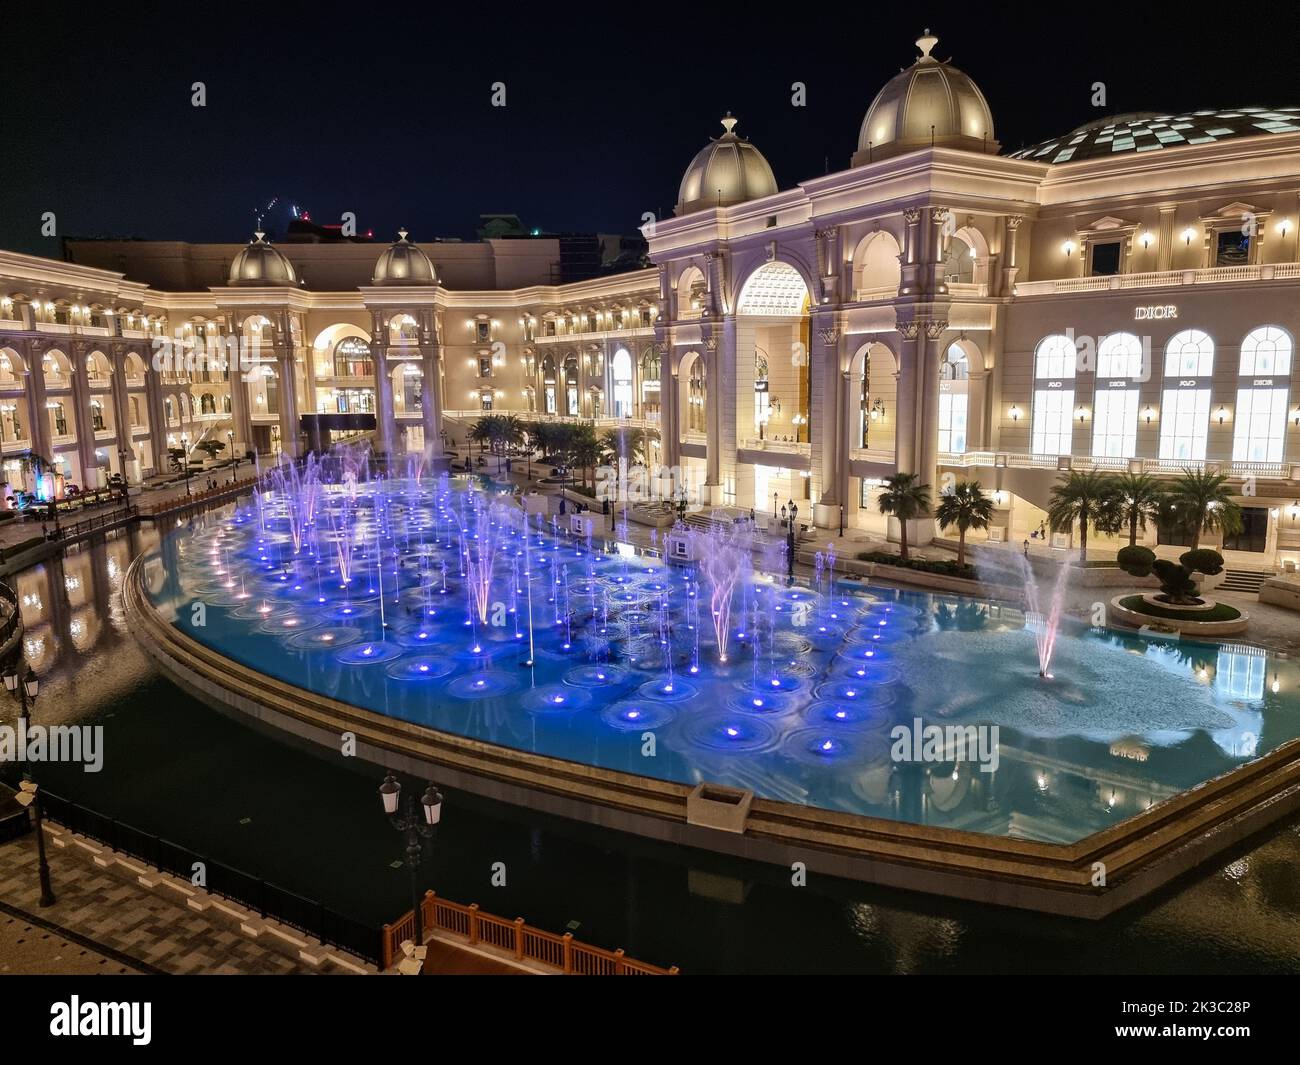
{"points": [[136, 928]]}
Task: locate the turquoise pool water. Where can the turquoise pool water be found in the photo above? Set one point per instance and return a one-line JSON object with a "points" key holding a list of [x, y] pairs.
{"points": [[621, 666]]}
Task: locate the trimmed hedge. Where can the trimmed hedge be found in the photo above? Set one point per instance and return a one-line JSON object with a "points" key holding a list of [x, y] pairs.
{"points": [[942, 566]]}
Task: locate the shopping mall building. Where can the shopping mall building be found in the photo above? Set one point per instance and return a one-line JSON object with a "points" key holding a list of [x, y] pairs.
{"points": [[1122, 297]]}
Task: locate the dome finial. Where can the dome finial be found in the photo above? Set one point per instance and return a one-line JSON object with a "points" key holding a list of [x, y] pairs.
{"points": [[401, 233], [728, 123], [926, 42], [260, 236]]}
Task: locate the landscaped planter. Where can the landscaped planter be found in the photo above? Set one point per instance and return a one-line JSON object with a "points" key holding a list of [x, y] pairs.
{"points": [[1185, 625]]}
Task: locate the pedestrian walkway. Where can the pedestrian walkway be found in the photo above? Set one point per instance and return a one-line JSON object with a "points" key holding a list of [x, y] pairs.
{"points": [[139, 928]]}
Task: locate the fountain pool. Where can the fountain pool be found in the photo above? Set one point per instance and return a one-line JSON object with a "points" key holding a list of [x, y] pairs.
{"points": [[439, 604]]}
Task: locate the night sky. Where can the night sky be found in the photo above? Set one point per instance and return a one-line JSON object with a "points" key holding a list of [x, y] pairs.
{"points": [[338, 108]]}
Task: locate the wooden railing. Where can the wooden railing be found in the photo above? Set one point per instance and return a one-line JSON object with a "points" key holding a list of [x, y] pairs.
{"points": [[197, 498], [516, 938]]}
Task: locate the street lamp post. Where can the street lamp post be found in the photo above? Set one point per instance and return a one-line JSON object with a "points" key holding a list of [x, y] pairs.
{"points": [[26, 688], [841, 521], [234, 466], [418, 826], [789, 514], [185, 459]]}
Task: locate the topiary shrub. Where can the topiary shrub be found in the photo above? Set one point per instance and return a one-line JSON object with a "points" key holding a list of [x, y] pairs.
{"points": [[1202, 560], [1175, 578], [1136, 560], [1176, 582]]}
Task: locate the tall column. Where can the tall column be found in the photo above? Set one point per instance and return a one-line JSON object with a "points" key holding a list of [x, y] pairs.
{"points": [[1011, 255], [78, 350], [824, 411], [927, 444], [905, 402], [238, 370], [288, 393], [153, 397], [122, 413], [977, 402], [722, 408], [1165, 238], [38, 416], [670, 426], [385, 416], [431, 404]]}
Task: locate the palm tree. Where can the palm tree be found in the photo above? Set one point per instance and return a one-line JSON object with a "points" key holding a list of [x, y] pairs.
{"points": [[905, 498], [585, 451], [625, 442], [1132, 499], [1081, 497], [481, 433], [1201, 502], [508, 432], [966, 506]]}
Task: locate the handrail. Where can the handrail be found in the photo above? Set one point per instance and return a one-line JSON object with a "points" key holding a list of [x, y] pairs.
{"points": [[517, 938], [15, 617]]}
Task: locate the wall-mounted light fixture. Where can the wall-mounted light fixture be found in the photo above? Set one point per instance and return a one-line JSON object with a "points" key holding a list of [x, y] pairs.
{"points": [[1221, 415], [1284, 226], [1081, 412], [1068, 247], [1148, 415], [1147, 239], [1189, 234], [1014, 413], [878, 410]]}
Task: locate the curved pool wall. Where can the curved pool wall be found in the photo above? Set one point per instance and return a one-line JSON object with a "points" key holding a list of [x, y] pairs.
{"points": [[805, 713]]}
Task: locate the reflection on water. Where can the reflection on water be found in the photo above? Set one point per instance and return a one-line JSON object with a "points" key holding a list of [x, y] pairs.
{"points": [[310, 822]]}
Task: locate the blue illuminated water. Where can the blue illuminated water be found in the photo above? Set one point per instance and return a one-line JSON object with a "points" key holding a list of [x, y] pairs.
{"points": [[802, 711]]}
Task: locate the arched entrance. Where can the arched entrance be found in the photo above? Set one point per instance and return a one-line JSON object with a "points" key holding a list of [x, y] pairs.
{"points": [[773, 387]]}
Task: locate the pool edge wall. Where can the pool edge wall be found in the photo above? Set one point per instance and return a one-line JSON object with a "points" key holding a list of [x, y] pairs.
{"points": [[1139, 855]]}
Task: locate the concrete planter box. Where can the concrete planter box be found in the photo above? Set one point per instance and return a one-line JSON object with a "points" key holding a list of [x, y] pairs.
{"points": [[715, 806], [1124, 616], [1281, 591]]}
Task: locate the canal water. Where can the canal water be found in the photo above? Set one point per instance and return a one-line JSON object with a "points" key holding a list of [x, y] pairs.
{"points": [[311, 822]]}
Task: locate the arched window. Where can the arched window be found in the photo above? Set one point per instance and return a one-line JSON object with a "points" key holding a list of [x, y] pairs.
{"points": [[97, 415], [352, 358], [1262, 396], [1185, 417], [1054, 361], [59, 418], [571, 398], [651, 367], [1120, 372], [954, 384], [762, 397], [959, 262], [697, 398], [403, 329], [621, 367], [549, 393]]}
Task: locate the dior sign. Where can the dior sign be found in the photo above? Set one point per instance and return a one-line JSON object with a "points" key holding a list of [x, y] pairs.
{"points": [[1150, 314]]}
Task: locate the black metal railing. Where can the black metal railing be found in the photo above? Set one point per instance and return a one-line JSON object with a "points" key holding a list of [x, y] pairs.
{"points": [[15, 617], [262, 896]]}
